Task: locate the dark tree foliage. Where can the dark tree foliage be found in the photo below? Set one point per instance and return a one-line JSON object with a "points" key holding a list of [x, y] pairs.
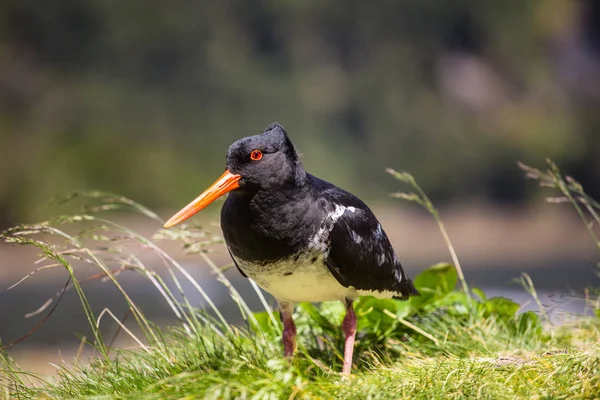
{"points": [[144, 97]]}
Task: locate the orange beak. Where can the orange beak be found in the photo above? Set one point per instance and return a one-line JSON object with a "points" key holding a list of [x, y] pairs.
{"points": [[226, 183]]}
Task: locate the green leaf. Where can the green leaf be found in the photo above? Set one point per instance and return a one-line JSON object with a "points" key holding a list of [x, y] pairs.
{"points": [[434, 283], [370, 311], [501, 306], [264, 322], [479, 293], [529, 322], [455, 303], [404, 308]]}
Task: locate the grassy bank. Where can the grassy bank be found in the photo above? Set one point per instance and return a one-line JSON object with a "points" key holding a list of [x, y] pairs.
{"points": [[446, 343], [480, 362]]}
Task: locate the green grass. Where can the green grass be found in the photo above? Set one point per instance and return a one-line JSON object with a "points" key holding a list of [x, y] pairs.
{"points": [[475, 358], [446, 343]]}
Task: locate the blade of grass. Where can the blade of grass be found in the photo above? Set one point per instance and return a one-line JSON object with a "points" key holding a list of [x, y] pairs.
{"points": [[123, 327], [171, 261], [422, 199]]}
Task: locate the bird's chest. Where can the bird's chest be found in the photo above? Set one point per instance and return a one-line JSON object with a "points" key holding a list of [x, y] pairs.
{"points": [[262, 233], [298, 278]]}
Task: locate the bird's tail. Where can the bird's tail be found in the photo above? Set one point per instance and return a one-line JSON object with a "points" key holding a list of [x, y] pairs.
{"points": [[406, 289]]}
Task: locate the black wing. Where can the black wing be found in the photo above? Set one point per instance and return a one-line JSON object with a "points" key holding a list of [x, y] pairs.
{"points": [[360, 253]]}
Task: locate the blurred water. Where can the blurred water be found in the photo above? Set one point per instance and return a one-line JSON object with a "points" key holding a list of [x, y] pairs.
{"points": [[561, 294]]}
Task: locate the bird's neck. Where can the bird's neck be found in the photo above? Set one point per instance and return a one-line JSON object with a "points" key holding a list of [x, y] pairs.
{"points": [[279, 203], [265, 225]]}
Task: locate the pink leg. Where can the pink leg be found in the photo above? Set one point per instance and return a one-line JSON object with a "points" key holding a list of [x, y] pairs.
{"points": [[289, 329], [349, 327]]}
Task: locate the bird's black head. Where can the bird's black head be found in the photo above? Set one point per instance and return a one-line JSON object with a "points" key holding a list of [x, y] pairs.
{"points": [[263, 162]]}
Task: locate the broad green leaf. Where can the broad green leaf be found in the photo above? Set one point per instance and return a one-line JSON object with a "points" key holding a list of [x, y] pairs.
{"points": [[370, 313], [479, 293], [404, 309], [264, 322], [455, 302], [434, 283], [528, 322], [501, 306]]}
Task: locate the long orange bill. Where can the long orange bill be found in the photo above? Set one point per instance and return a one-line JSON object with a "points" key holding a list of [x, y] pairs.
{"points": [[226, 183]]}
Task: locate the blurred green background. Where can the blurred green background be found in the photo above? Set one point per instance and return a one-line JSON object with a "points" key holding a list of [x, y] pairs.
{"points": [[144, 97]]}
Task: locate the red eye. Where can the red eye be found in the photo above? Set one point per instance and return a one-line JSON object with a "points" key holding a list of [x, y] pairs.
{"points": [[256, 155]]}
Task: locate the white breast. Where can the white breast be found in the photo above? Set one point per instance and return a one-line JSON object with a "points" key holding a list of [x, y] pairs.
{"points": [[296, 280], [301, 279]]}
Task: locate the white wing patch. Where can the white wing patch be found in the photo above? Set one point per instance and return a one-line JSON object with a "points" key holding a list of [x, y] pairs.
{"points": [[356, 237], [320, 240], [379, 232]]}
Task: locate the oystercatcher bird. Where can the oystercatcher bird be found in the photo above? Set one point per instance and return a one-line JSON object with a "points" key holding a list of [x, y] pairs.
{"points": [[299, 237]]}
